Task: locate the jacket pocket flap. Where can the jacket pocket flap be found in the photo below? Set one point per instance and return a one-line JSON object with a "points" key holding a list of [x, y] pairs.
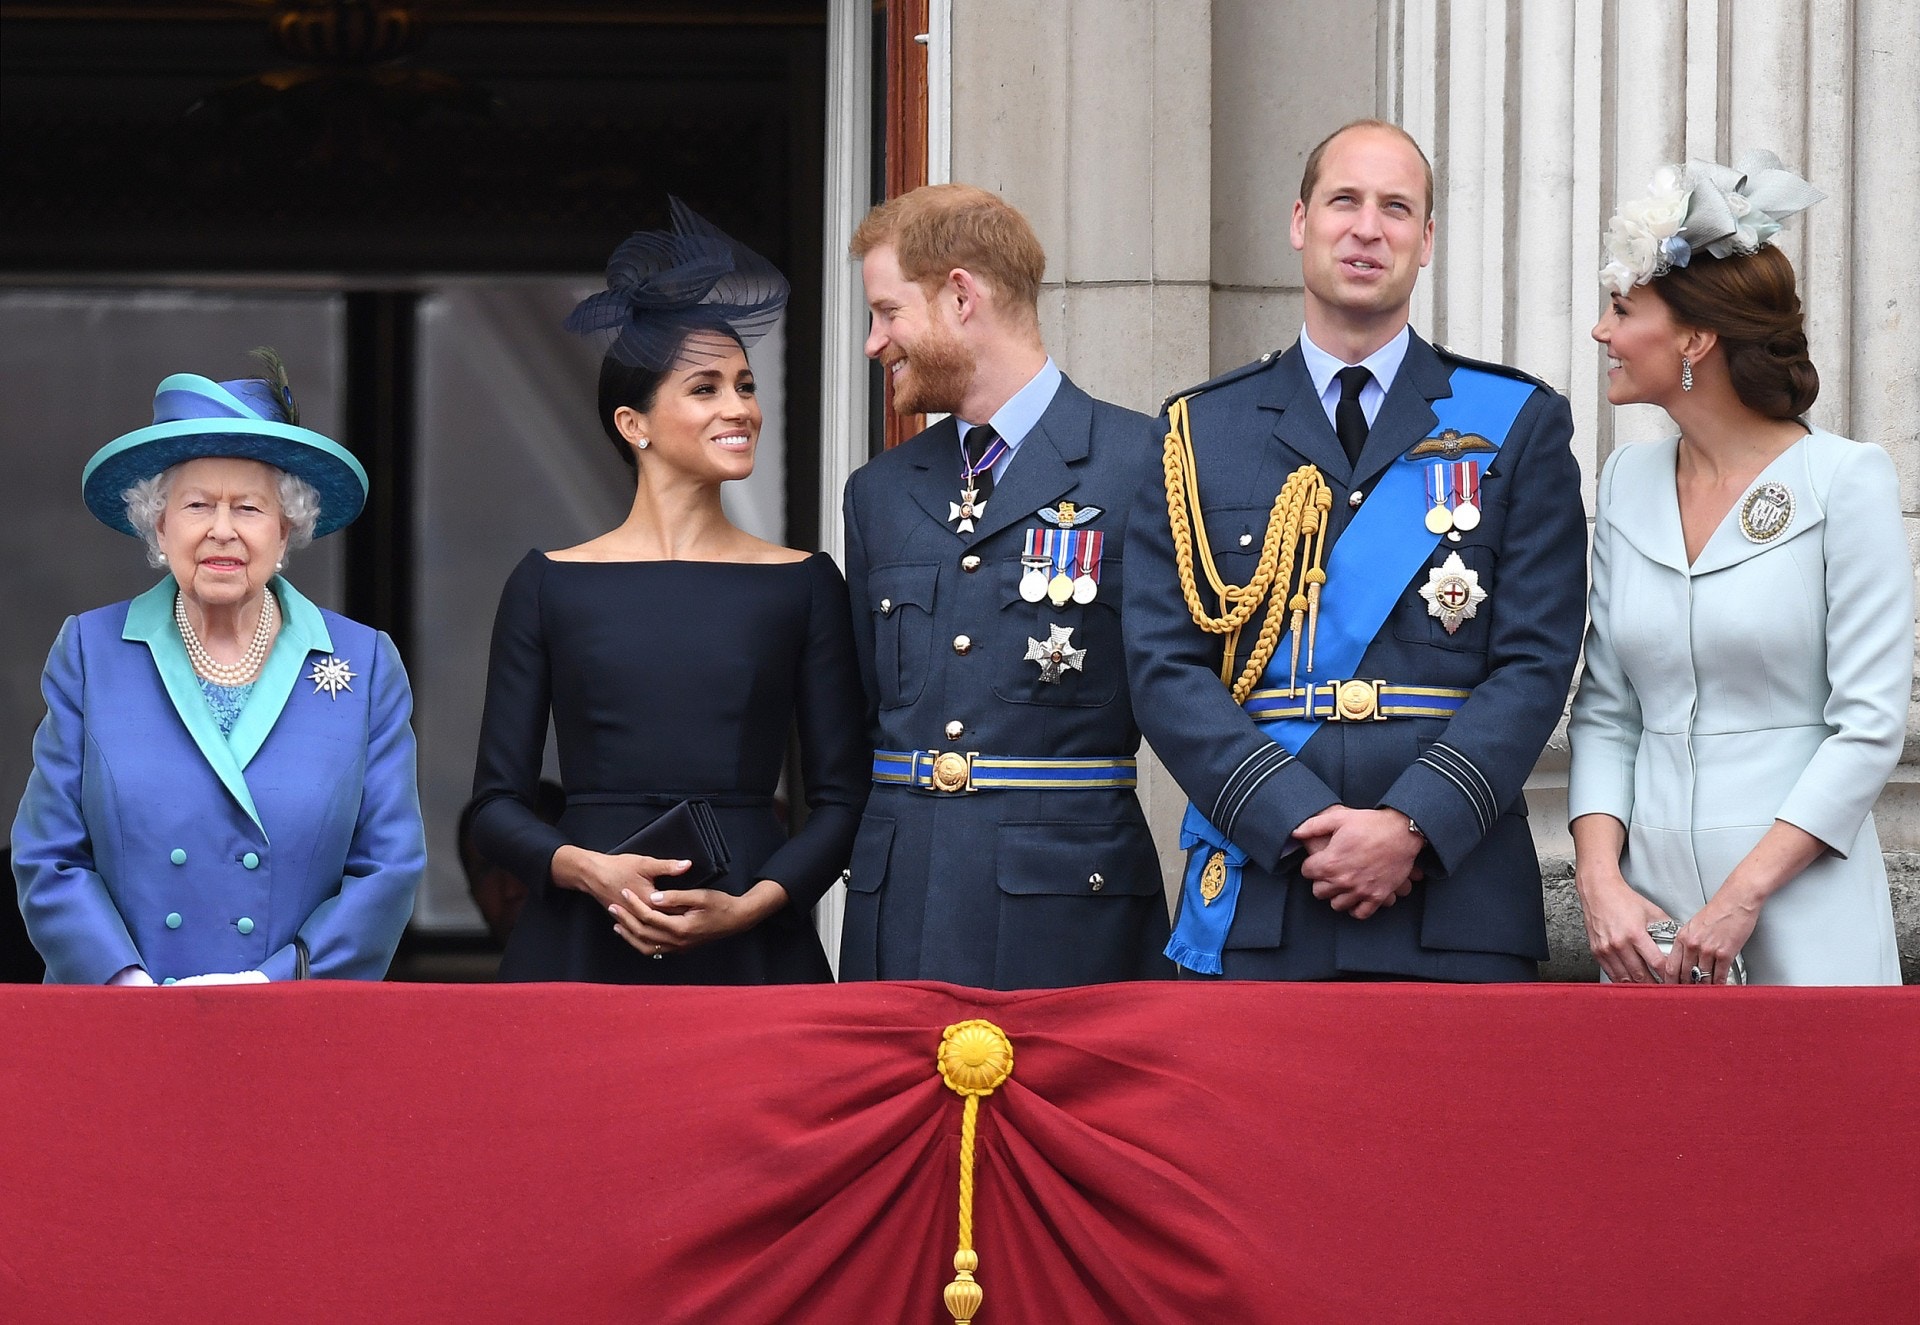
{"points": [[891, 587], [1074, 859]]}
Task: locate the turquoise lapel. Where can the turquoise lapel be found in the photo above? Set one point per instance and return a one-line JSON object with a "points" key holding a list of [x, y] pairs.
{"points": [[302, 632], [150, 622]]}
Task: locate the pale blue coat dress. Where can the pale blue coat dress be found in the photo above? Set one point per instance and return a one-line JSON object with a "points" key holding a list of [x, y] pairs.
{"points": [[147, 838], [1768, 680]]}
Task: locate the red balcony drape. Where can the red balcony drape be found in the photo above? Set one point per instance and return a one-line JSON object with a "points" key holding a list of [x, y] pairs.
{"points": [[1178, 1153]]}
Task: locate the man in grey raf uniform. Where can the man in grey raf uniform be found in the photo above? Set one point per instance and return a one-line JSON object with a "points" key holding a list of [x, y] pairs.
{"points": [[1388, 542], [1003, 846]]}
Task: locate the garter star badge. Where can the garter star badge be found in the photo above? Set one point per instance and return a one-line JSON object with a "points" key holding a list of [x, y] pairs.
{"points": [[1766, 512], [1453, 592], [332, 675], [1056, 655]]}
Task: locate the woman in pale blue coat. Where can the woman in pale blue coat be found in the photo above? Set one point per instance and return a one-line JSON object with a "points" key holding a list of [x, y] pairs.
{"points": [[223, 788], [1750, 655]]}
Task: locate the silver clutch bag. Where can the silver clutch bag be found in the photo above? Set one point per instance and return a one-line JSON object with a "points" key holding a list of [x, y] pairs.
{"points": [[1664, 932]]}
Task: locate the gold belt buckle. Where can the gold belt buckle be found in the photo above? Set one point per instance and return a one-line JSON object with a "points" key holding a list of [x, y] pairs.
{"points": [[1356, 701], [953, 771]]}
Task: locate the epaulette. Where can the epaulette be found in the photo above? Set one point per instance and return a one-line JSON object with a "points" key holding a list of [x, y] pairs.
{"points": [[1503, 369], [1231, 375]]}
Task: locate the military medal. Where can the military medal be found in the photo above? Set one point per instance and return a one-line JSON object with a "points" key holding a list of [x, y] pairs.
{"points": [[1033, 564], [1056, 655], [1453, 592], [972, 506], [1064, 544], [1766, 512], [1086, 585], [1439, 507], [1466, 491]]}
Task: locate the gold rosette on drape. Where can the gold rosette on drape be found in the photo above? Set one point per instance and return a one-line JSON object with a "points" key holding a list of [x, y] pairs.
{"points": [[975, 1058]]}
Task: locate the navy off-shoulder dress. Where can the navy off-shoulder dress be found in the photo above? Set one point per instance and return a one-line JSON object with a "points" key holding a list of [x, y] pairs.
{"points": [[665, 680]]}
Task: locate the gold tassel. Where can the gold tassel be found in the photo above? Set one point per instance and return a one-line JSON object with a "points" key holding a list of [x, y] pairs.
{"points": [[975, 1058]]}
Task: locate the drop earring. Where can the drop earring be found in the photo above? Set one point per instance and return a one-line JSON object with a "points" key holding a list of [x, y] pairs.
{"points": [[1686, 376]]}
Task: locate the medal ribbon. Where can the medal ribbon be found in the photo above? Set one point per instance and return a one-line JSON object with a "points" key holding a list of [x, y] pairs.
{"points": [[1439, 487], [1370, 566], [1089, 558], [1466, 483], [1065, 548], [988, 458]]}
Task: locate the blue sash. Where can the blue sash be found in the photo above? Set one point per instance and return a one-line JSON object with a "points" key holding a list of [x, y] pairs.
{"points": [[1370, 566]]}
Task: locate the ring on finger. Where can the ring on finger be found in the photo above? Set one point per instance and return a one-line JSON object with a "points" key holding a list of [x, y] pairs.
{"points": [[1700, 975]]}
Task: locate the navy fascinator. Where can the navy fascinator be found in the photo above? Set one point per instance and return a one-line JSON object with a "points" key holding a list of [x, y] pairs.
{"points": [[663, 284]]}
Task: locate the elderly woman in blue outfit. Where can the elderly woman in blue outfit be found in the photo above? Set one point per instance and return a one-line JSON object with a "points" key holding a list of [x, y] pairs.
{"points": [[223, 787]]}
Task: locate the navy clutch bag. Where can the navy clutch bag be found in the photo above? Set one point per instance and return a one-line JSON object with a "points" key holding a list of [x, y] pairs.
{"points": [[688, 831]]}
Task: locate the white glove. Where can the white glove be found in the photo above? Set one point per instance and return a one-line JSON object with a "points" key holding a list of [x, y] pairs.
{"points": [[133, 977], [231, 978]]}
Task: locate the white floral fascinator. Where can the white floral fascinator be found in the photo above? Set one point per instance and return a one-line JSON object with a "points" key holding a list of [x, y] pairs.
{"points": [[1701, 207]]}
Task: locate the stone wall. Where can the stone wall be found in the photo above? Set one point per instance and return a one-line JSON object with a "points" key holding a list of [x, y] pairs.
{"points": [[1157, 146]]}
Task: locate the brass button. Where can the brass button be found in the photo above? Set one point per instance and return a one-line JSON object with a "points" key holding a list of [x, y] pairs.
{"points": [[886, 606], [969, 563], [1096, 882], [1355, 497], [955, 729], [962, 643]]}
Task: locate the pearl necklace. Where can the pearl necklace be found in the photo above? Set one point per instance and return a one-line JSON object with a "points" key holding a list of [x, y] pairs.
{"points": [[249, 665]]}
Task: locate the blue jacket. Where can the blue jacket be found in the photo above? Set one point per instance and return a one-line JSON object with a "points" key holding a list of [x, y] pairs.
{"points": [[146, 838], [1479, 913], [1005, 889]]}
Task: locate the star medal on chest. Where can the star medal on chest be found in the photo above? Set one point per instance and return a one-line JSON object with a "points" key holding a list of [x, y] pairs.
{"points": [[332, 675], [1056, 654], [1766, 512], [1453, 592], [1439, 477]]}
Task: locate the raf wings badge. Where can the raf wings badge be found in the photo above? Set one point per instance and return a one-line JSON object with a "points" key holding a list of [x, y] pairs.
{"points": [[1067, 515], [1450, 445], [1453, 592]]}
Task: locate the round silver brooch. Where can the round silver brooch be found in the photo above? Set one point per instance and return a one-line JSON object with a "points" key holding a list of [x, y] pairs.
{"points": [[1766, 512]]}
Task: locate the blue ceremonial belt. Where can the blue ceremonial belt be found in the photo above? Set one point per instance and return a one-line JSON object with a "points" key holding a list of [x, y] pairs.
{"points": [[954, 771], [1369, 568]]}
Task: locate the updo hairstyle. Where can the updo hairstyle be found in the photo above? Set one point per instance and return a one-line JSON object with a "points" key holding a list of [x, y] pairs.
{"points": [[1748, 300], [636, 386]]}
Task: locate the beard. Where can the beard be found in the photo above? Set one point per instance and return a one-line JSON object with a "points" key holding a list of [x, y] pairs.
{"points": [[939, 371]]}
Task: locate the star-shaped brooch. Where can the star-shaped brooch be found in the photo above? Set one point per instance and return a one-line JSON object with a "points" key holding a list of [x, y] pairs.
{"points": [[332, 675], [1056, 655], [1453, 592]]}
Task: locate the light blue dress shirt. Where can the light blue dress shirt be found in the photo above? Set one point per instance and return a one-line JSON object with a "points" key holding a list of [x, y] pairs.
{"points": [[1015, 419], [1383, 363]]}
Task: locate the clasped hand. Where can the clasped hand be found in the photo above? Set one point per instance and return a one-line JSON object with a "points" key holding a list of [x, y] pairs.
{"points": [[1359, 860]]}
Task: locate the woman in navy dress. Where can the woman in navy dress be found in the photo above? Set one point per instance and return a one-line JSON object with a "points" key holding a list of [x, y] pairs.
{"points": [[675, 654]]}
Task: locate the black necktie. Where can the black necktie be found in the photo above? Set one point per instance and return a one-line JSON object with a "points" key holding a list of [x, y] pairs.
{"points": [[1349, 420], [978, 440]]}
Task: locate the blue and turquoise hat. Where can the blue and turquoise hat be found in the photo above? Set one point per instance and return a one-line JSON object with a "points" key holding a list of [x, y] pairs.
{"points": [[195, 417]]}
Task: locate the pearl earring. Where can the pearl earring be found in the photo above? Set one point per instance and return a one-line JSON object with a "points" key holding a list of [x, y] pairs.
{"points": [[1686, 374], [641, 443]]}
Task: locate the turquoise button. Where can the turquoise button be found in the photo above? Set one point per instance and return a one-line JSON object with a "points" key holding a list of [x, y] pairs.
{"points": [[173, 920], [244, 924], [167, 981], [251, 861], [179, 856]]}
